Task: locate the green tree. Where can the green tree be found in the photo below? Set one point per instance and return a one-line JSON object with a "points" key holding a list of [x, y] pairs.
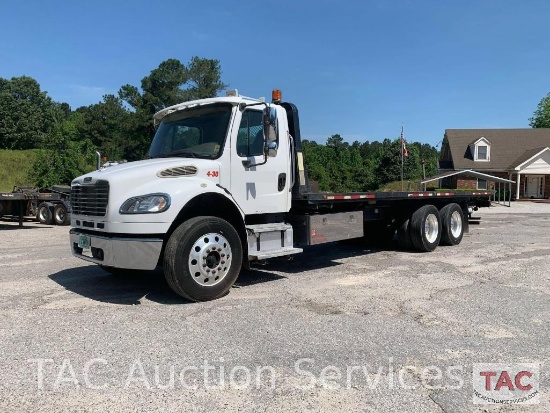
{"points": [[337, 166], [541, 116], [109, 126], [337, 142], [27, 114], [388, 161], [169, 84], [64, 156], [204, 79], [172, 83], [317, 158]]}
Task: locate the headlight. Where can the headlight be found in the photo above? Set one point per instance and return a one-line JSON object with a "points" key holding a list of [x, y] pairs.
{"points": [[146, 204]]}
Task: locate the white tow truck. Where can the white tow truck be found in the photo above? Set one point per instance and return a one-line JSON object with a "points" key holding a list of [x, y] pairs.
{"points": [[224, 185]]}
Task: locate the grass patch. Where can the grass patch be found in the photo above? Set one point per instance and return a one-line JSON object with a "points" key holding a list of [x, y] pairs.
{"points": [[15, 167]]}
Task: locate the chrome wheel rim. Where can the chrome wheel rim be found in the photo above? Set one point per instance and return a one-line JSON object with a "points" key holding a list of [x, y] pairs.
{"points": [[60, 215], [431, 228], [210, 259], [456, 224], [42, 214]]}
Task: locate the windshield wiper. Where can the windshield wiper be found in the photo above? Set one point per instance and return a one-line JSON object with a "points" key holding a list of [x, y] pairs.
{"points": [[180, 153]]}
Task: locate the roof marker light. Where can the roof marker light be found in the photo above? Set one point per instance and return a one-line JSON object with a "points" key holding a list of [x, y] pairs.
{"points": [[276, 95]]}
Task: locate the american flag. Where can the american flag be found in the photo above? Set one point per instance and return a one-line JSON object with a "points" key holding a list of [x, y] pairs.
{"points": [[404, 144]]}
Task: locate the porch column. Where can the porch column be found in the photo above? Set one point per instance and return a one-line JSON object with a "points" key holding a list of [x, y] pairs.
{"points": [[517, 185]]}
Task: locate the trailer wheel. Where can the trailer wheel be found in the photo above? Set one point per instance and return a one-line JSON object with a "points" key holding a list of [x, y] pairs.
{"points": [[452, 221], [45, 213], [61, 216], [425, 228], [404, 235], [203, 258]]}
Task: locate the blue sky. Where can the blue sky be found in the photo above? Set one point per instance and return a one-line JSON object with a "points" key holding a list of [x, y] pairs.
{"points": [[357, 68]]}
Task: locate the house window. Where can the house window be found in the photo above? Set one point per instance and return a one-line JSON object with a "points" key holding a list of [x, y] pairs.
{"points": [[482, 184], [482, 153], [481, 150]]}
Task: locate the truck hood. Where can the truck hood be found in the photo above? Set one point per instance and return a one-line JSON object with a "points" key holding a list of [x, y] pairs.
{"points": [[151, 169]]}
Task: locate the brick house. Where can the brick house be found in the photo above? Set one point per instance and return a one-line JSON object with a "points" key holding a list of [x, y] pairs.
{"points": [[518, 154]]}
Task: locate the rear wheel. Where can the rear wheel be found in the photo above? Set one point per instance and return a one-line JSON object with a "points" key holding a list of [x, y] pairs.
{"points": [[452, 221], [425, 228], [203, 258], [45, 213], [60, 215]]}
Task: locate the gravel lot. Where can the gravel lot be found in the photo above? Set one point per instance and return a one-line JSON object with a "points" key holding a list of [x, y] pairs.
{"points": [[75, 339]]}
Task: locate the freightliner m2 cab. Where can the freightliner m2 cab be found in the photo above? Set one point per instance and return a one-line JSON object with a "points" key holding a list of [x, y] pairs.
{"points": [[224, 185]]}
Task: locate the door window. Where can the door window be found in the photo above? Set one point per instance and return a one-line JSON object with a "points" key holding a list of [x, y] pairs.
{"points": [[250, 139]]}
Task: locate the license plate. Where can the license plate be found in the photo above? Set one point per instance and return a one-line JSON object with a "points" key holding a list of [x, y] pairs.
{"points": [[84, 241]]}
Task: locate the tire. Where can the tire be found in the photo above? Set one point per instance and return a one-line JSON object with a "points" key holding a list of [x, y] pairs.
{"points": [[203, 258], [60, 215], [44, 215], [404, 235], [425, 228], [452, 222]]}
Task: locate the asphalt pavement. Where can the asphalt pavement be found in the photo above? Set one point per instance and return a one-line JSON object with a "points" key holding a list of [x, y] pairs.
{"points": [[342, 327]]}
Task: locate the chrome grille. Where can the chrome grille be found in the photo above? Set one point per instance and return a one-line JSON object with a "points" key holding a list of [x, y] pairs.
{"points": [[90, 199]]}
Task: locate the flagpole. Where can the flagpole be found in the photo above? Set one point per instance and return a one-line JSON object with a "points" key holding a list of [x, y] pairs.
{"points": [[401, 145]]}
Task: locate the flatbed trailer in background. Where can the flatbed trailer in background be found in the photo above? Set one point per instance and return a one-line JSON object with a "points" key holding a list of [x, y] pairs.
{"points": [[46, 205]]}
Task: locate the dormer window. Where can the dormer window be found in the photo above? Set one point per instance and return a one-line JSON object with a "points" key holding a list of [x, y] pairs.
{"points": [[482, 150], [482, 153]]}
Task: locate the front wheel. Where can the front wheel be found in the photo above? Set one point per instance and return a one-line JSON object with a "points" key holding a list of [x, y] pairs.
{"points": [[203, 258]]}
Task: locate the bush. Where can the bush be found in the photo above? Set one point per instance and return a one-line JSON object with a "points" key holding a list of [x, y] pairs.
{"points": [[62, 159]]}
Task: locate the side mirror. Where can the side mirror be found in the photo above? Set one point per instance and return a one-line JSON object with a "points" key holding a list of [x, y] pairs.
{"points": [[272, 149], [270, 131]]}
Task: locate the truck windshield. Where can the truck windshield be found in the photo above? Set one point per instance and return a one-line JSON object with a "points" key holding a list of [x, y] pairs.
{"points": [[192, 133]]}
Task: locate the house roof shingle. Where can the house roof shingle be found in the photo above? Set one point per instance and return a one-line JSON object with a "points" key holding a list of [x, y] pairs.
{"points": [[525, 156], [508, 146]]}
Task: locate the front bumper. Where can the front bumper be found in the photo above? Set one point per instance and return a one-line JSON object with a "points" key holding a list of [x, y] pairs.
{"points": [[130, 253]]}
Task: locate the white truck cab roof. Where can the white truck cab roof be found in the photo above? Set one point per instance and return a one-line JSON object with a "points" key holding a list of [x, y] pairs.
{"points": [[232, 98]]}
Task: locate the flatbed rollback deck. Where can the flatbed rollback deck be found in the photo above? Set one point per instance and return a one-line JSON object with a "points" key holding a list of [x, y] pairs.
{"points": [[225, 185]]}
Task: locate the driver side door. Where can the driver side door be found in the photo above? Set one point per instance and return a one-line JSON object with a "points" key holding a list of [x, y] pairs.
{"points": [[258, 189]]}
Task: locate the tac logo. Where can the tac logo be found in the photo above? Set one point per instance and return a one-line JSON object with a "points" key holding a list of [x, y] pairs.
{"points": [[496, 383]]}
